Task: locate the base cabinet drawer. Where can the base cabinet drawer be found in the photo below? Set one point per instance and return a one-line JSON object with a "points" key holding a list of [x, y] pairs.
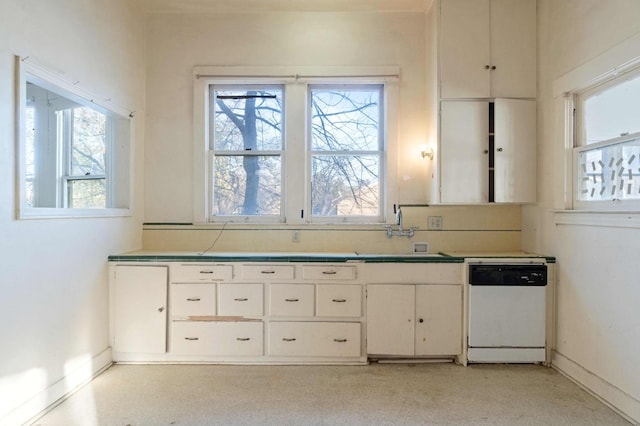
{"points": [[193, 299], [240, 299], [329, 272], [339, 300], [314, 339], [201, 273], [217, 338], [293, 300]]}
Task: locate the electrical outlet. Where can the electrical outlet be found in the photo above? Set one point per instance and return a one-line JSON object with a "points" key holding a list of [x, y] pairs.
{"points": [[434, 223], [295, 236]]}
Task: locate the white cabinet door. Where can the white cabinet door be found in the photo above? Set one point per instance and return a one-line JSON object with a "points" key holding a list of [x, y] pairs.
{"points": [[465, 51], [390, 319], [464, 163], [513, 48], [438, 320], [140, 314], [487, 49], [515, 151]]}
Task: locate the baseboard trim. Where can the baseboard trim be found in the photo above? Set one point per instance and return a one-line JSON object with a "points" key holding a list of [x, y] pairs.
{"points": [[618, 400], [50, 397]]}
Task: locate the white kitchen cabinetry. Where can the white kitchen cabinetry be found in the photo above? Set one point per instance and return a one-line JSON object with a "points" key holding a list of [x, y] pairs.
{"points": [[487, 49], [414, 310], [139, 309], [256, 313], [488, 151]]}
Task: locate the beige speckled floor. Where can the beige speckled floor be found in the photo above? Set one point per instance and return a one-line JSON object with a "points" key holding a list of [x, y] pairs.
{"points": [[389, 394]]}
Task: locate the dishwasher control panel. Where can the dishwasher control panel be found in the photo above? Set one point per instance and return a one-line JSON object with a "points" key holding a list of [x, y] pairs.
{"points": [[508, 275]]}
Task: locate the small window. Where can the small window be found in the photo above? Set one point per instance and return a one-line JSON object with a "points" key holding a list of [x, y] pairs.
{"points": [[247, 145], [74, 155], [607, 152], [346, 150]]}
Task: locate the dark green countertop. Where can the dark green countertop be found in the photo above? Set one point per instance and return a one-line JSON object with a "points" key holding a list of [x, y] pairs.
{"points": [[452, 257]]}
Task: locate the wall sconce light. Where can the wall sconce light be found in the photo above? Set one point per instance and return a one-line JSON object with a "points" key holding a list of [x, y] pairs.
{"points": [[427, 151]]}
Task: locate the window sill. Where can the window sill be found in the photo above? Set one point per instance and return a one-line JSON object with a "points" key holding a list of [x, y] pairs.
{"points": [[628, 219], [50, 213]]}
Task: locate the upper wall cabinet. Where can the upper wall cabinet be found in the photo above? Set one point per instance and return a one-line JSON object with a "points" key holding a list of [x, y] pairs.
{"points": [[487, 49]]}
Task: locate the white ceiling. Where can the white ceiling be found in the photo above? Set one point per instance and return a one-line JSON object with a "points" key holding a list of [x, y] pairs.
{"points": [[208, 6]]}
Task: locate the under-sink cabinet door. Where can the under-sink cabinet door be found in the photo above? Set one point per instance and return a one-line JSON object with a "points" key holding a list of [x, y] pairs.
{"points": [[390, 319], [314, 339], [217, 338], [438, 320], [291, 300], [240, 299], [339, 300], [193, 299]]}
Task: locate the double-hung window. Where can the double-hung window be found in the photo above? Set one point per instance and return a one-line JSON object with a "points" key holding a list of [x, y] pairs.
{"points": [[607, 145], [346, 149], [247, 142], [294, 149]]}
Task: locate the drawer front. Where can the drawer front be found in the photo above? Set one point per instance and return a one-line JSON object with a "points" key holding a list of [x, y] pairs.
{"points": [[201, 273], [217, 338], [238, 338], [268, 272], [314, 339], [329, 272], [339, 300], [291, 300], [240, 299], [191, 338], [193, 299]]}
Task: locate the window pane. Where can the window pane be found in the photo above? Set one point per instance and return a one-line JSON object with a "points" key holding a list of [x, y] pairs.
{"points": [[612, 112], [610, 172], [345, 185], [87, 194], [247, 119], [345, 119], [88, 142], [29, 153], [246, 185]]}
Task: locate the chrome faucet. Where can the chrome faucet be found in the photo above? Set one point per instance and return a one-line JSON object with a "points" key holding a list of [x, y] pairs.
{"points": [[400, 232], [399, 219]]}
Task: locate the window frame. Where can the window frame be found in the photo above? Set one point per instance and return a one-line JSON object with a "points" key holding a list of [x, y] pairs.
{"points": [[576, 101], [296, 198], [118, 205], [380, 153], [213, 153]]}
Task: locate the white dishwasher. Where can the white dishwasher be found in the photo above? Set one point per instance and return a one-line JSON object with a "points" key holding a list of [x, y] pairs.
{"points": [[507, 311]]}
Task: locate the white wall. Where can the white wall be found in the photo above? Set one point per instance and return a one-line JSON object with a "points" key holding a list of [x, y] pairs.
{"points": [[53, 282], [598, 295]]}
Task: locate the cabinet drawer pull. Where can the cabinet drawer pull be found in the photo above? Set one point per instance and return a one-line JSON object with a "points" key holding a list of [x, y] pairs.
{"points": [[339, 300], [268, 272], [329, 272], [206, 272], [191, 338], [288, 339], [193, 299], [243, 339], [240, 299], [340, 340], [291, 300]]}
